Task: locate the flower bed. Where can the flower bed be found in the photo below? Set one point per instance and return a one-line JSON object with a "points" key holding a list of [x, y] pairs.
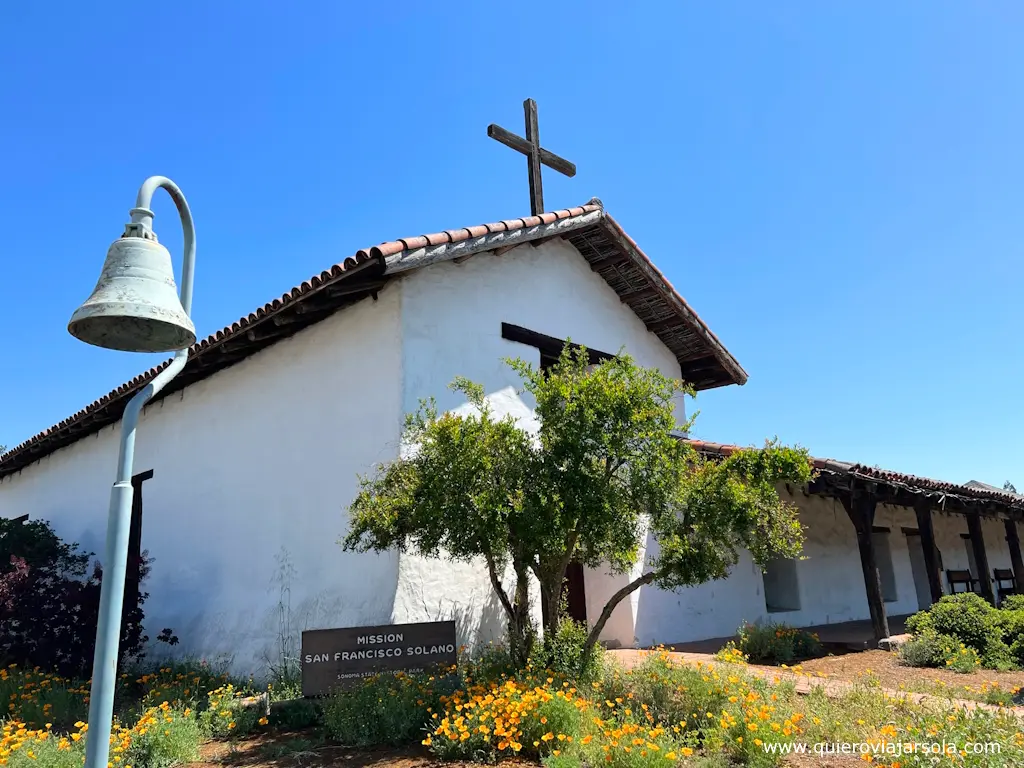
{"points": [[660, 713], [162, 717], [657, 714]]}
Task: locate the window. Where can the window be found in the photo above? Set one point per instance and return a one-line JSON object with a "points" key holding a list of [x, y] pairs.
{"points": [[547, 361], [549, 346], [781, 588], [972, 564], [883, 561]]}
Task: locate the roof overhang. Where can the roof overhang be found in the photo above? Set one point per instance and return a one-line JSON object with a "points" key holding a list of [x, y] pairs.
{"points": [[838, 479]]}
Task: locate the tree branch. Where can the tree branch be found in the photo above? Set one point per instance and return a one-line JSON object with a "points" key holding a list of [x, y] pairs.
{"points": [[492, 571], [606, 614], [555, 596], [611, 467]]}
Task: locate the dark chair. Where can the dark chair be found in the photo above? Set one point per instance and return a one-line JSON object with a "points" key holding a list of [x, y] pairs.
{"points": [[1005, 582], [960, 579]]}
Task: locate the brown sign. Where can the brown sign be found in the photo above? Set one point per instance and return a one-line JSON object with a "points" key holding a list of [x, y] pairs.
{"points": [[333, 658]]}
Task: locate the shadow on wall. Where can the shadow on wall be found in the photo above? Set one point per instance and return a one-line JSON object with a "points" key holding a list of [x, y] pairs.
{"points": [[713, 609], [476, 622], [599, 585], [263, 638]]}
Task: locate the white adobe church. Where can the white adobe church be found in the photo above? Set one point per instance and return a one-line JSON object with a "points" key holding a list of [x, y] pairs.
{"points": [[248, 460]]}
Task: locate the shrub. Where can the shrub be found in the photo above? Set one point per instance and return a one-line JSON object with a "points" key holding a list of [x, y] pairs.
{"points": [[49, 602], [162, 737], [1012, 603], [1011, 624], [670, 692], [998, 656], [777, 643], [555, 722], [1017, 650], [26, 748], [294, 714], [925, 649], [959, 657], [381, 710], [490, 662], [524, 717], [965, 616], [930, 649], [227, 714], [563, 654], [186, 682]]}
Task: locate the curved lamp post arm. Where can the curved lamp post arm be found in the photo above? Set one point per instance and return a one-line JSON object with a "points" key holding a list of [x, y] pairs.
{"points": [[108, 629], [143, 215]]}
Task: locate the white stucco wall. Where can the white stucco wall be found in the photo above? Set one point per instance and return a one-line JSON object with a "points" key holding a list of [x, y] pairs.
{"points": [[254, 467], [451, 326], [251, 466], [830, 579]]}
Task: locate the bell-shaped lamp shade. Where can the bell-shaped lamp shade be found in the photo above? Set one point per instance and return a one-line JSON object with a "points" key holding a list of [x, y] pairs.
{"points": [[135, 305]]}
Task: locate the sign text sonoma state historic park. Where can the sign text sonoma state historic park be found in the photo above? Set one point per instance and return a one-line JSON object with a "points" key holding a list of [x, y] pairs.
{"points": [[333, 658]]}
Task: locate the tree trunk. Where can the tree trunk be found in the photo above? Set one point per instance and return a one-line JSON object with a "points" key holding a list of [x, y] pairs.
{"points": [[553, 595], [517, 640], [606, 613], [521, 609], [554, 606]]}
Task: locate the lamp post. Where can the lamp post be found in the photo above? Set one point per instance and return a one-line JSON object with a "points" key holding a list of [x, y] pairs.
{"points": [[134, 307]]}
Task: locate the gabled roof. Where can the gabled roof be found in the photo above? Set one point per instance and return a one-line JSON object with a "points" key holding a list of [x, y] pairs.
{"points": [[898, 487], [612, 254]]}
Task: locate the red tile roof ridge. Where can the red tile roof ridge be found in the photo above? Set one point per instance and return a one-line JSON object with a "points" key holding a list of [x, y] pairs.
{"points": [[396, 251]]}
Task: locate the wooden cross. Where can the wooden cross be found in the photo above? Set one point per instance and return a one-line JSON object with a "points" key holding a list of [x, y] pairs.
{"points": [[535, 154]]}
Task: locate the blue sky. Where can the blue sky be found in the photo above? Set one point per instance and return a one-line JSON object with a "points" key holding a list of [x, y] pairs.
{"points": [[836, 188]]}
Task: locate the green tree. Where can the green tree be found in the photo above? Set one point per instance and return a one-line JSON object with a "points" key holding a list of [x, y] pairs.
{"points": [[600, 470]]}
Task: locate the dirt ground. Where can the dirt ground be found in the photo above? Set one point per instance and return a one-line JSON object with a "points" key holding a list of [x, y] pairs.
{"points": [[864, 666], [305, 749]]}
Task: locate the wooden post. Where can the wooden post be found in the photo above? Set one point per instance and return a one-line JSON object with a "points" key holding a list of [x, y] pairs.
{"points": [[931, 555], [980, 556], [533, 159], [133, 566], [860, 506], [1013, 542]]}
